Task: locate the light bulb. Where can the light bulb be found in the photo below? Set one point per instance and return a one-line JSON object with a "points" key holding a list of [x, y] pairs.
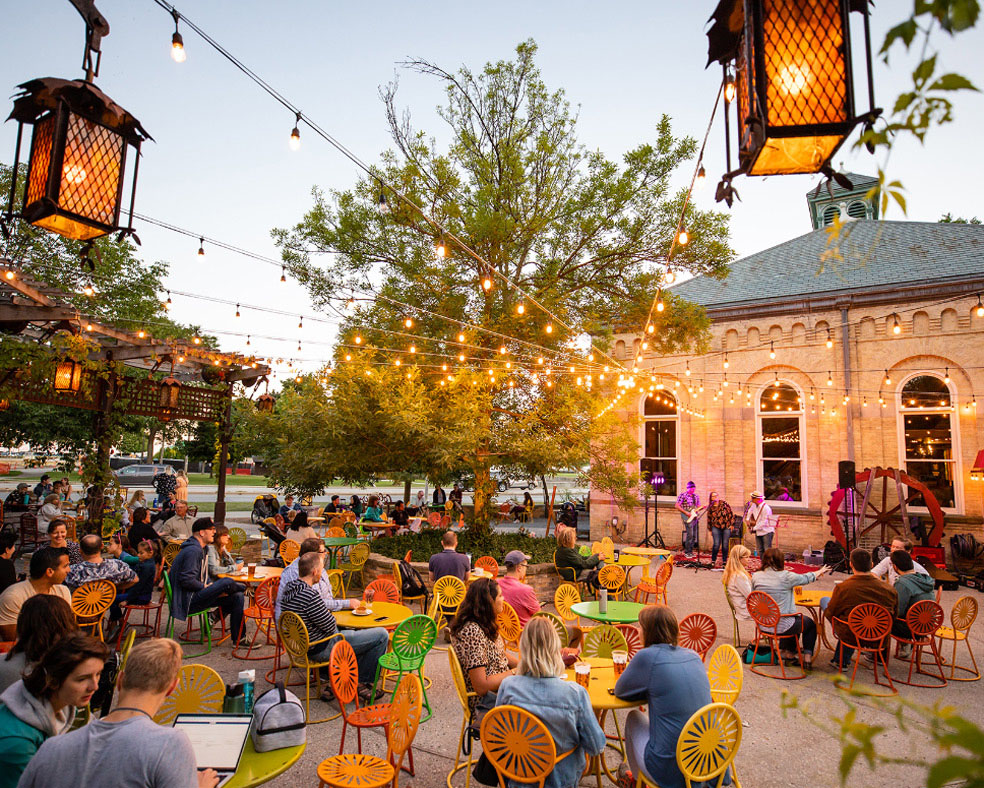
{"points": [[660, 306], [520, 308], [487, 283], [461, 337], [89, 290], [650, 329], [946, 376], [408, 322], [283, 274], [729, 89], [772, 350], [888, 380], [549, 328], [830, 340], [9, 275], [197, 340], [247, 340], [294, 143], [141, 333], [358, 339], [896, 328], [413, 348], [178, 54], [461, 357], [701, 177], [830, 380], [237, 310], [980, 304], [540, 360], [201, 247], [726, 364], [502, 350], [683, 238], [382, 205], [440, 248], [670, 276]]}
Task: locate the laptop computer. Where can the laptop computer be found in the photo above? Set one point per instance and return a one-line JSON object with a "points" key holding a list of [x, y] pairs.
{"points": [[217, 739]]}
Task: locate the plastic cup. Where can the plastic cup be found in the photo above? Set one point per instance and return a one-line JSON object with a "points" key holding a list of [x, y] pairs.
{"points": [[251, 571], [582, 672], [620, 659]]}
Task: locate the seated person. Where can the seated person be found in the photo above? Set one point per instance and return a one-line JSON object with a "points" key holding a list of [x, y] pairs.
{"points": [[17, 500], [142, 591], [8, 572], [449, 561], [58, 539], [299, 530], [911, 587], [374, 512], [584, 569], [400, 516], [885, 569], [95, 567], [522, 598], [150, 754], [141, 529], [439, 498], [861, 588], [563, 706], [778, 582], [455, 497], [478, 645], [46, 575], [517, 511], [355, 505], [220, 560], [43, 488], [44, 620], [568, 516], [334, 506], [177, 527], [300, 597], [189, 592], [289, 506], [166, 511], [419, 508], [672, 682], [50, 510], [43, 703], [737, 582]]}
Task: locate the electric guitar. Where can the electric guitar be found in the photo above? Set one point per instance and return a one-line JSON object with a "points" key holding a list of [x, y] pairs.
{"points": [[696, 514]]}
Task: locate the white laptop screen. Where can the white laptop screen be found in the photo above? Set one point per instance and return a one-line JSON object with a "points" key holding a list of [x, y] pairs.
{"points": [[218, 739]]}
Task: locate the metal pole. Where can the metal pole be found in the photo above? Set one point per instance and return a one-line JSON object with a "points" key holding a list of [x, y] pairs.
{"points": [[849, 408], [225, 435]]}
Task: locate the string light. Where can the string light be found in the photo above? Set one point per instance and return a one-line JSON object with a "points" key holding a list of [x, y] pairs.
{"points": [[487, 283], [358, 339], [549, 328], [726, 364], [461, 337], [300, 322], [441, 248], [237, 310], [683, 238], [896, 328], [197, 340], [980, 304], [167, 304], [830, 380], [520, 308], [830, 340], [201, 246], [502, 350], [408, 322], [294, 143], [178, 54], [413, 348], [283, 273], [729, 87], [701, 177], [888, 380], [384, 208], [9, 275], [247, 340], [687, 370], [946, 376], [89, 290], [650, 329], [670, 276], [659, 301], [772, 350]]}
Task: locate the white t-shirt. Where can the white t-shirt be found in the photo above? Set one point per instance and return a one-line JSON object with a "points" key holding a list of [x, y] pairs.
{"points": [[886, 567], [14, 597]]}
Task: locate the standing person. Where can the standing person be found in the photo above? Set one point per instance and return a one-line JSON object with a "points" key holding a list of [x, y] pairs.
{"points": [[43, 621], [126, 748], [43, 703], [181, 486], [720, 520], [760, 521], [911, 587], [449, 561], [8, 572], [177, 527], [737, 581], [439, 498], [95, 567], [46, 575], [43, 488], [862, 587], [564, 707], [165, 483], [688, 504], [673, 682], [188, 575]]}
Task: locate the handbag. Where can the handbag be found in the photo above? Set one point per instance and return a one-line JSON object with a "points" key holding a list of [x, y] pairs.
{"points": [[278, 720]]}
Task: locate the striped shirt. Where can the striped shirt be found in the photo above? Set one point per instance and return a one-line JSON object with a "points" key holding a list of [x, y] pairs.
{"points": [[302, 599]]}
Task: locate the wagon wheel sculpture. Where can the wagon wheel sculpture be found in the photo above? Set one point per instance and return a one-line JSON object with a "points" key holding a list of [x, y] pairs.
{"points": [[883, 508]]}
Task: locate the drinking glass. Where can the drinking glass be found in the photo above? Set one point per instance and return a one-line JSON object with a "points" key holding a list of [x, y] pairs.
{"points": [[582, 672], [620, 660]]}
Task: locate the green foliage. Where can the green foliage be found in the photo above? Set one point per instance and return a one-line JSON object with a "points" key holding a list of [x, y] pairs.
{"points": [[959, 742], [477, 543], [948, 218]]}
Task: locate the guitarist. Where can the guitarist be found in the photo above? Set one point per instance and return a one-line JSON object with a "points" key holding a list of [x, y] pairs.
{"points": [[760, 521], [688, 504]]}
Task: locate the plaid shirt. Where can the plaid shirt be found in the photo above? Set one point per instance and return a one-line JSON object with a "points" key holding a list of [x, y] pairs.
{"points": [[688, 500]]}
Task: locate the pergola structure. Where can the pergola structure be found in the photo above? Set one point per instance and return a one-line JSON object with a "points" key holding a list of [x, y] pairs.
{"points": [[199, 386]]}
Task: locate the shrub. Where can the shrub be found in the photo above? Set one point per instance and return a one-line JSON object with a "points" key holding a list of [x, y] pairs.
{"points": [[428, 542]]}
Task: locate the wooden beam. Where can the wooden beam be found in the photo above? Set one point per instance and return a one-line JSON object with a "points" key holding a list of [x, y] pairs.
{"points": [[35, 313], [22, 287], [248, 372], [131, 352]]}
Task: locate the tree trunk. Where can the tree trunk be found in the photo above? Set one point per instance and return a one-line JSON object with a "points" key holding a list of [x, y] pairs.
{"points": [[225, 436], [484, 490], [406, 491]]}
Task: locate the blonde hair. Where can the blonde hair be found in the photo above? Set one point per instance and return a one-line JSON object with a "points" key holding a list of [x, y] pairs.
{"points": [[137, 497], [734, 565], [152, 666], [566, 537], [539, 650]]}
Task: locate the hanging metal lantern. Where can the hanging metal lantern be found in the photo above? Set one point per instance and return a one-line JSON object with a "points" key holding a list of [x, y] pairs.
{"points": [[792, 79], [77, 164], [4, 404], [68, 376], [170, 390], [264, 403]]}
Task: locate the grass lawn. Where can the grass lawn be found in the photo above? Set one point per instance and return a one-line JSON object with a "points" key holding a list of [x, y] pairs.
{"points": [[231, 506], [193, 478]]}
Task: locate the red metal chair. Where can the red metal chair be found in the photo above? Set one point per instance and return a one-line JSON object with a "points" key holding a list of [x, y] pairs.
{"points": [[29, 534], [384, 590], [147, 630], [871, 626], [698, 633], [632, 637], [261, 611], [765, 613], [923, 619]]}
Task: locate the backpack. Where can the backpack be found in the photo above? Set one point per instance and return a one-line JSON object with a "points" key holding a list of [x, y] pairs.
{"points": [[835, 557], [278, 720], [413, 583]]}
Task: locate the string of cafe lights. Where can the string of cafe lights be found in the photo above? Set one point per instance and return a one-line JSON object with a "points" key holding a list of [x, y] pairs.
{"points": [[443, 234]]}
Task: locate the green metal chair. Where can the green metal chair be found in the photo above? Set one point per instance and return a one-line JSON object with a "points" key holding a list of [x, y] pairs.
{"points": [[602, 640], [237, 538], [205, 625], [557, 623], [412, 641]]}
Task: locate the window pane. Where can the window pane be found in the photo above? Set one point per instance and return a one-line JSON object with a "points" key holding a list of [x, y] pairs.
{"points": [[661, 438], [938, 478], [780, 437], [927, 437], [782, 480], [779, 398], [668, 468], [925, 391], [659, 403]]}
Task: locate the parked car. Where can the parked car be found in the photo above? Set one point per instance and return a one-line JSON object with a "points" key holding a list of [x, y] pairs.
{"points": [[141, 475]]}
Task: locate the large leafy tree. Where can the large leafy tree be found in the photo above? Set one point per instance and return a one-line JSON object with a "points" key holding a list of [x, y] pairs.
{"points": [[548, 221]]}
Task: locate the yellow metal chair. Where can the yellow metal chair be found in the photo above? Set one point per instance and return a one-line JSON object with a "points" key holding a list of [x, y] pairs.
{"points": [[90, 601], [200, 690], [612, 577], [296, 642], [171, 550], [602, 640], [557, 623], [509, 627], [335, 532], [368, 771], [337, 583], [357, 558], [452, 591], [406, 600], [565, 597], [706, 747], [289, 550], [519, 746], [962, 617], [725, 672], [463, 696]]}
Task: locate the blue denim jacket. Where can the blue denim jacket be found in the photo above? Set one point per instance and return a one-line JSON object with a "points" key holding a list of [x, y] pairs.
{"points": [[565, 709]]}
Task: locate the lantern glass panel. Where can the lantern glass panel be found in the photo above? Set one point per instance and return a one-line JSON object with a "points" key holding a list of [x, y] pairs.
{"points": [[37, 177], [68, 376]]}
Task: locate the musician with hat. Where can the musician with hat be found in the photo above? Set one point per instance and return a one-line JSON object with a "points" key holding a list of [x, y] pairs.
{"points": [[760, 520]]}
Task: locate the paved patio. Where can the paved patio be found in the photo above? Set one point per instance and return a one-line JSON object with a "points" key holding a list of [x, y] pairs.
{"points": [[776, 750]]}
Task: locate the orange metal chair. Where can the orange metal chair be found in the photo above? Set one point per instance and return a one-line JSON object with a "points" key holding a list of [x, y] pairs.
{"points": [[289, 550], [519, 746], [962, 618], [343, 674], [923, 619], [765, 613], [368, 771], [698, 633], [261, 611], [384, 590], [871, 626], [655, 584], [90, 601], [488, 564]]}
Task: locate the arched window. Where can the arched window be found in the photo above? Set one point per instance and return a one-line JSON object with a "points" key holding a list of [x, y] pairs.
{"points": [[660, 439], [780, 443], [926, 425], [830, 213], [857, 210]]}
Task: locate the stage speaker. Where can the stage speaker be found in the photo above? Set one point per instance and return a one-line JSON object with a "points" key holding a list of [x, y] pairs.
{"points": [[845, 474]]}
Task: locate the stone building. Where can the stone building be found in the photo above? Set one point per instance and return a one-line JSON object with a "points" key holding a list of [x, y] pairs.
{"points": [[862, 340]]}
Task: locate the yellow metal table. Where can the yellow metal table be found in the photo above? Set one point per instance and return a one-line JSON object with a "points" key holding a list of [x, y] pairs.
{"points": [[256, 768]]}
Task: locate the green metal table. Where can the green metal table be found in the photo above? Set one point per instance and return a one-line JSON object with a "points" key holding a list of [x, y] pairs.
{"points": [[618, 612], [336, 543], [256, 768]]}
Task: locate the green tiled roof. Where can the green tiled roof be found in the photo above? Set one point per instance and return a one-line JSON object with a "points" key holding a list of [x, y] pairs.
{"points": [[865, 254]]}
